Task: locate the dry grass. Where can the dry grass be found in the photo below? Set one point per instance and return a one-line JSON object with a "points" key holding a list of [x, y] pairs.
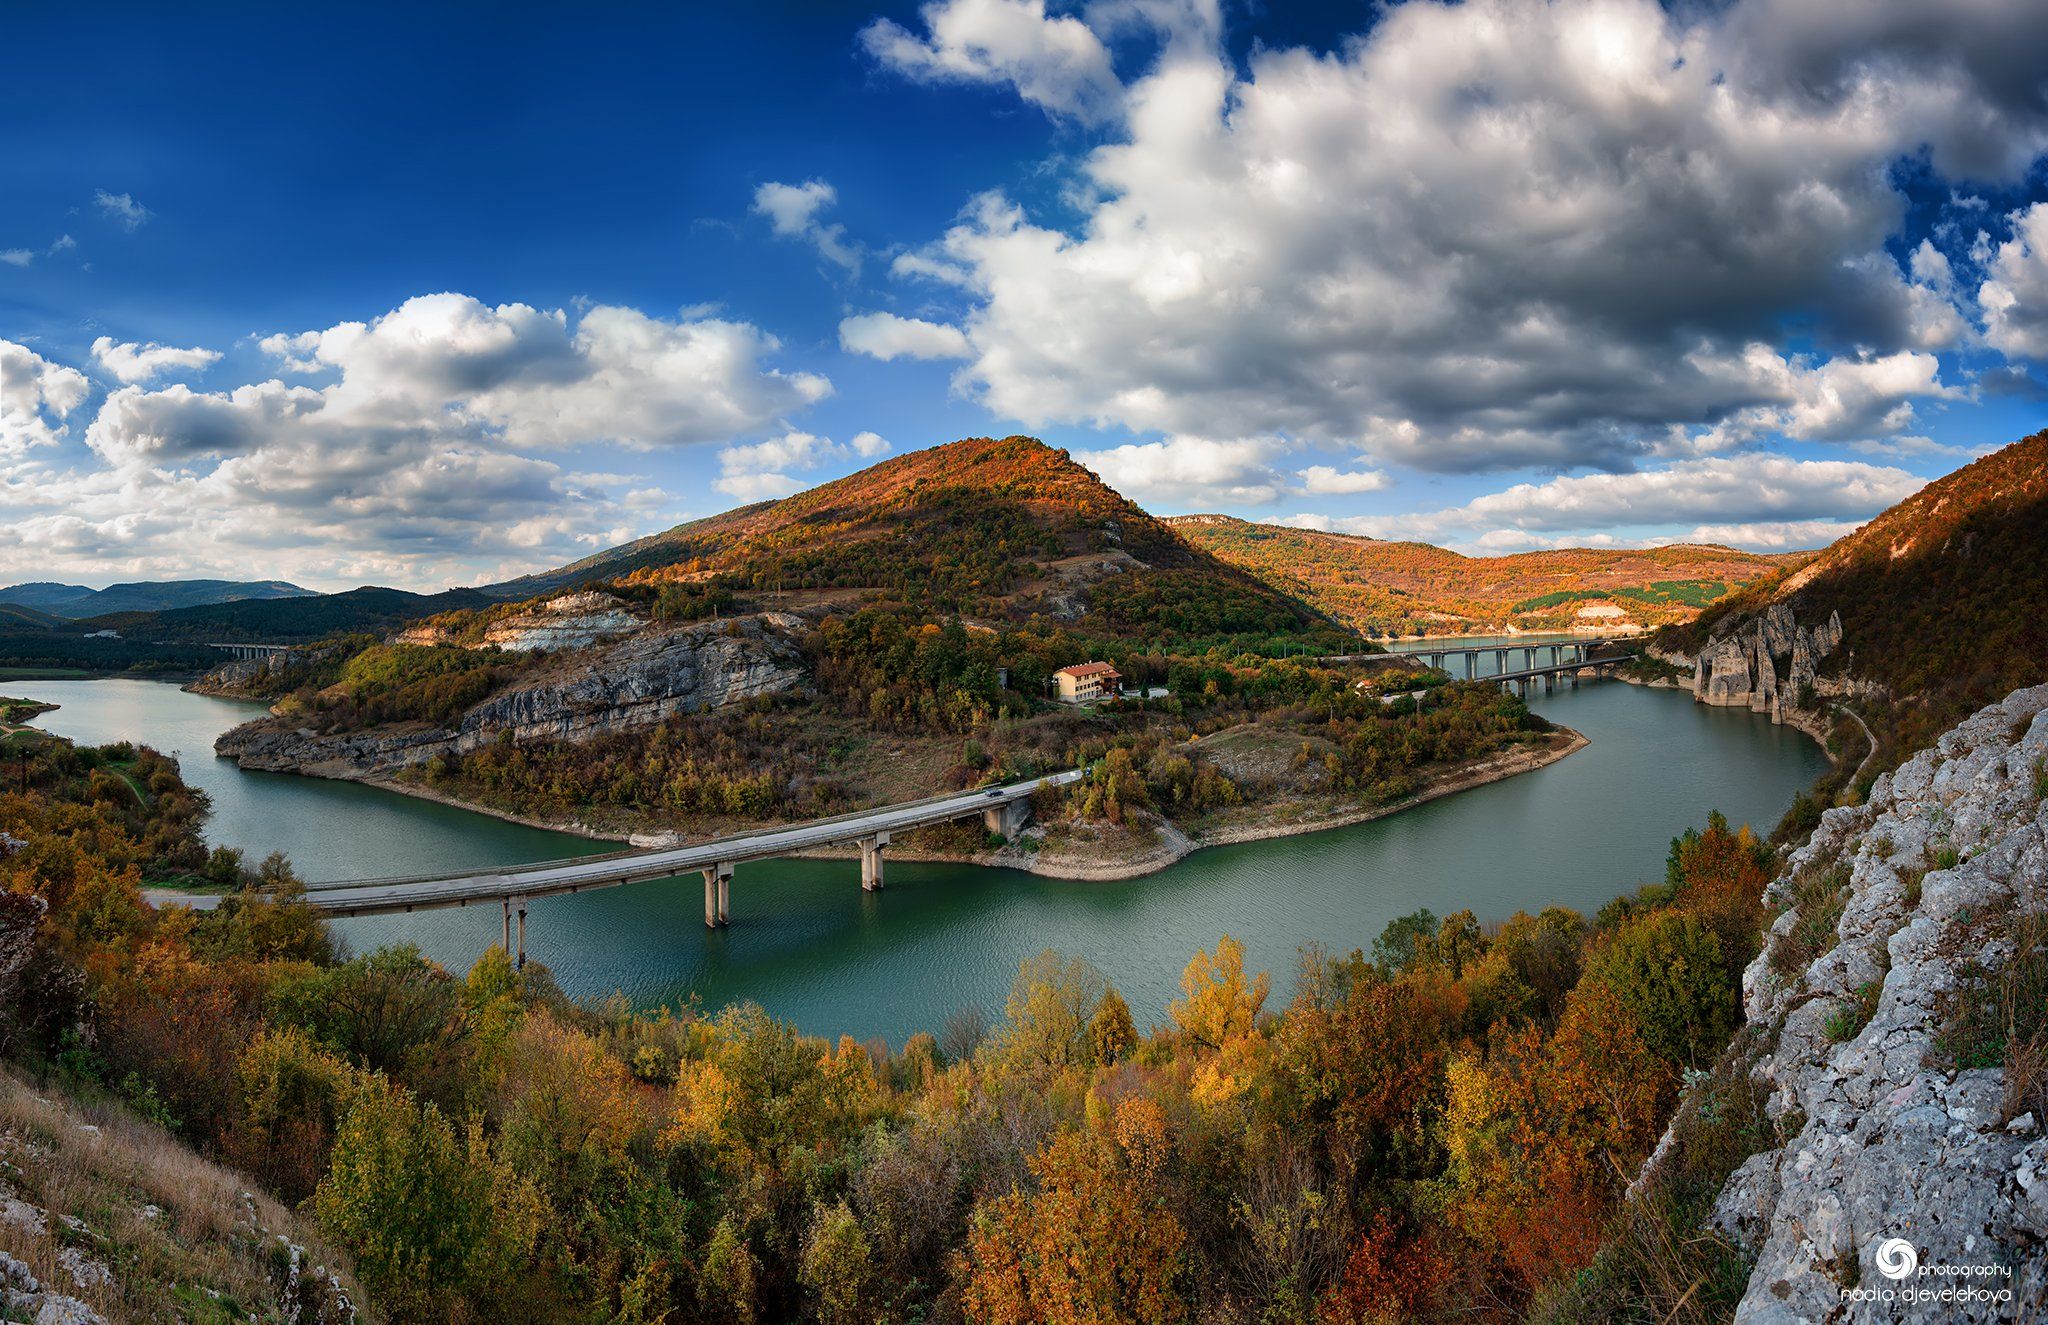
{"points": [[209, 1253], [1819, 896], [2000, 1019]]}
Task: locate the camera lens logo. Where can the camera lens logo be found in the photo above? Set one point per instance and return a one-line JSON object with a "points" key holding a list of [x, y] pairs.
{"points": [[1897, 1258]]}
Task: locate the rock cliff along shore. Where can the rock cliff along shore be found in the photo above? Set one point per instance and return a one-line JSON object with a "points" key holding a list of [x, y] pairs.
{"points": [[1898, 1032]]}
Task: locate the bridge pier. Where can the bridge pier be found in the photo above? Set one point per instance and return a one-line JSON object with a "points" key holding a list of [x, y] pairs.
{"points": [[718, 896], [871, 862], [1008, 819], [519, 962], [508, 927]]}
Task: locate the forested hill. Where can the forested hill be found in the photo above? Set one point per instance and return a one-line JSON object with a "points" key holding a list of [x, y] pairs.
{"points": [[288, 620], [76, 600], [1005, 529], [1944, 597], [1417, 589]]}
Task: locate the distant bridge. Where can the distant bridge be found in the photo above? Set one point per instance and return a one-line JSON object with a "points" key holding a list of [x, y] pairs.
{"points": [[1569, 659], [251, 650], [1003, 809]]}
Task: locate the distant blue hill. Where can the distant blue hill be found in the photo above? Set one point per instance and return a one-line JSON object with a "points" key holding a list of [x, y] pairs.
{"points": [[76, 600]]}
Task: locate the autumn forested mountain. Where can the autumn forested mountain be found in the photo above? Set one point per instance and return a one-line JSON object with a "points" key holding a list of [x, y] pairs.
{"points": [[1943, 599], [1396, 588], [1004, 528]]}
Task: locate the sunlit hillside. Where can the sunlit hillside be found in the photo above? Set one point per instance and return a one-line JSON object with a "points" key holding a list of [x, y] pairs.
{"points": [[1008, 528], [1943, 601], [1393, 588]]}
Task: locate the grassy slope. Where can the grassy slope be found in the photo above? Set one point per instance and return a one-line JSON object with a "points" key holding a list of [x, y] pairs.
{"points": [[1415, 587], [208, 1253]]}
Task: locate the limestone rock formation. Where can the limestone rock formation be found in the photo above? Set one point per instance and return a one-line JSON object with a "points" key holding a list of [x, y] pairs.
{"points": [[1887, 1138], [1764, 699], [1740, 669], [1728, 672], [641, 681], [567, 621], [1777, 629], [636, 682], [572, 621], [1801, 673]]}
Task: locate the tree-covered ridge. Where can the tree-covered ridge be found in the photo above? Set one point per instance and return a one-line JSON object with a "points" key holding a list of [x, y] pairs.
{"points": [[1437, 1129], [1943, 598], [1005, 528], [1402, 588], [967, 701]]}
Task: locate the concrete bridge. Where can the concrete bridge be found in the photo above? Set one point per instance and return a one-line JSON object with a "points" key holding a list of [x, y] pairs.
{"points": [[251, 650], [1563, 654], [1550, 674], [1004, 810], [1566, 659]]}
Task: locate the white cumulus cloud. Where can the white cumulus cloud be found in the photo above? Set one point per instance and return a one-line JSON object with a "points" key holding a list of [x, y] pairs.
{"points": [[1189, 471], [36, 396], [886, 336], [1496, 234], [2014, 296], [1752, 489], [423, 449], [131, 362], [761, 470], [1056, 62], [1323, 480], [793, 211]]}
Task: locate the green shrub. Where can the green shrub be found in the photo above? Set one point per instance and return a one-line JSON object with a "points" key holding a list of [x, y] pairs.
{"points": [[1669, 969]]}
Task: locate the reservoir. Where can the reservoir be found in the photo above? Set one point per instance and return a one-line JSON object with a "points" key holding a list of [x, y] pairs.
{"points": [[807, 944]]}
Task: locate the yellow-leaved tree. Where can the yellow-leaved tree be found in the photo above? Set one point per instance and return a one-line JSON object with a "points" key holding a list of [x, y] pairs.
{"points": [[1098, 1243]]}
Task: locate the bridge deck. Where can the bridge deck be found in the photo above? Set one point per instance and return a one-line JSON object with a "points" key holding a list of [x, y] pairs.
{"points": [[1529, 673], [365, 897]]}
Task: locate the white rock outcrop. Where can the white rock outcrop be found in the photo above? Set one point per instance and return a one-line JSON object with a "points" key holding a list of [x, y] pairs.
{"points": [[635, 682], [572, 621], [1934, 875], [1739, 669]]}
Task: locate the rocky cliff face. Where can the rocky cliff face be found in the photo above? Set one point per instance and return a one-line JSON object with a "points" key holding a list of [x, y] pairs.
{"points": [[1904, 922], [1740, 669], [637, 682], [567, 621]]}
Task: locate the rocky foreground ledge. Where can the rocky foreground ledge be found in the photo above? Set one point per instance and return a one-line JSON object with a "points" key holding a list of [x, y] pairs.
{"points": [[1895, 1019]]}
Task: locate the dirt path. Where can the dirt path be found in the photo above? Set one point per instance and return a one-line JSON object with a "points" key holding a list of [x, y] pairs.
{"points": [[1868, 739]]}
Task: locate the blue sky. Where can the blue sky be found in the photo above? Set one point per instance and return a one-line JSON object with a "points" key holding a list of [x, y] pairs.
{"points": [[421, 296]]}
